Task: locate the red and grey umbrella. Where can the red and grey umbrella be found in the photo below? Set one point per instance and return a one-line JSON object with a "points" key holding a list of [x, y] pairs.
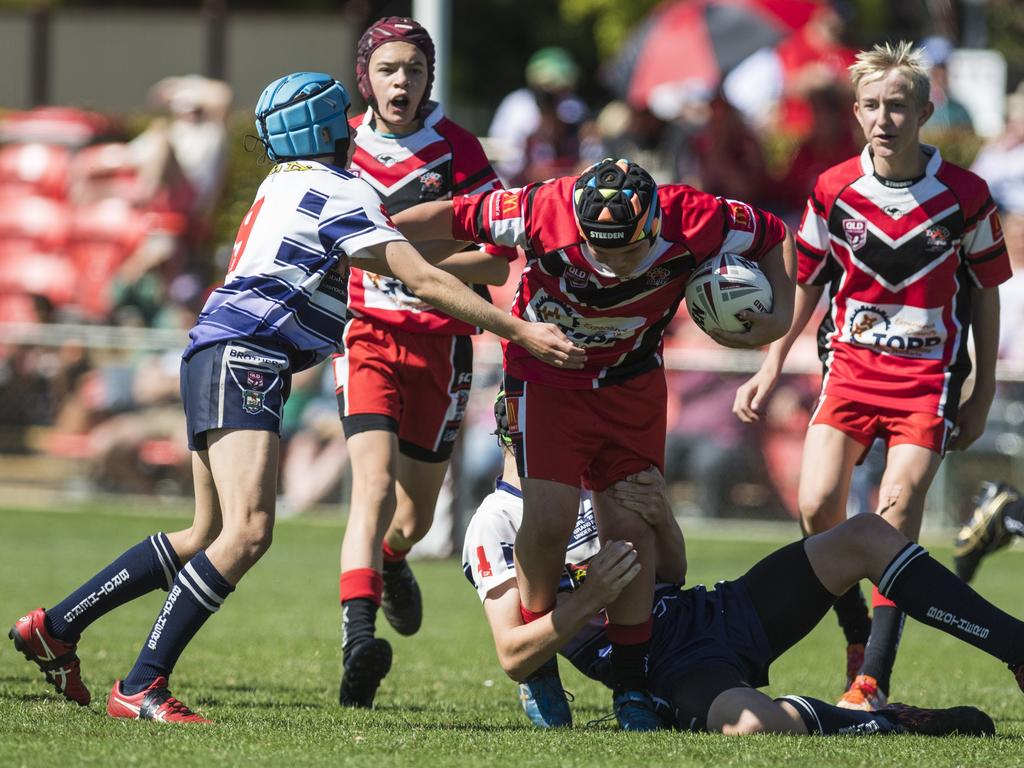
{"points": [[692, 44]]}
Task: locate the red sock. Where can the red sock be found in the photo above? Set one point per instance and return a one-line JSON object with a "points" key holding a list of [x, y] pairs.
{"points": [[393, 555], [361, 582], [529, 615], [878, 599], [630, 634]]}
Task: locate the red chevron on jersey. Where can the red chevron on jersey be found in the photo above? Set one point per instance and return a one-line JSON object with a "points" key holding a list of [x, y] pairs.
{"points": [[620, 320], [434, 163], [900, 261], [389, 174]]}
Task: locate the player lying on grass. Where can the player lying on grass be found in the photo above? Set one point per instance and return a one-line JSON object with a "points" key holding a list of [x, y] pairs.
{"points": [[281, 310], [711, 650]]}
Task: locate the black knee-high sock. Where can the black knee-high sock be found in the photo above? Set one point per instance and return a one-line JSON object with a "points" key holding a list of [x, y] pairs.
{"points": [[823, 719], [358, 623], [880, 653], [933, 595], [852, 612]]}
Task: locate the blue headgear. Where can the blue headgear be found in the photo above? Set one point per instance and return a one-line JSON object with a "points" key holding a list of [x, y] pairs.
{"points": [[303, 115]]}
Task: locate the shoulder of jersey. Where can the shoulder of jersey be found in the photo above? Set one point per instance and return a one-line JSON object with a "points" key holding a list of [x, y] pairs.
{"points": [[681, 203], [550, 213], [838, 176], [968, 186]]}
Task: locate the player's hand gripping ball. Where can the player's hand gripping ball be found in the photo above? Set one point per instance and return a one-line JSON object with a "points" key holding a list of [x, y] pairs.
{"points": [[723, 286]]}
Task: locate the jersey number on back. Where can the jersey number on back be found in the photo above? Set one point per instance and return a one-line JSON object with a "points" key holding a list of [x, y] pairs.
{"points": [[244, 230]]}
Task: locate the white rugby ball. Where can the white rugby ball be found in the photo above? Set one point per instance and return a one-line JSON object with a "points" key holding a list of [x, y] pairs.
{"points": [[723, 286]]}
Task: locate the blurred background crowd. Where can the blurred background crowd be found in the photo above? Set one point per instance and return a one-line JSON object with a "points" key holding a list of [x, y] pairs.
{"points": [[115, 224]]}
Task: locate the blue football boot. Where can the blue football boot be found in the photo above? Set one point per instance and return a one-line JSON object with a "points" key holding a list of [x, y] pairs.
{"points": [[543, 698]]}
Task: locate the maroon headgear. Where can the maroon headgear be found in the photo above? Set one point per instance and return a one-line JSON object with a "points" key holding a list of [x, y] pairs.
{"points": [[392, 29]]}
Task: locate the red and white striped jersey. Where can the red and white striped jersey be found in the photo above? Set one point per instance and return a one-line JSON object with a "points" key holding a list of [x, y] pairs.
{"points": [[434, 163], [900, 259], [620, 321]]}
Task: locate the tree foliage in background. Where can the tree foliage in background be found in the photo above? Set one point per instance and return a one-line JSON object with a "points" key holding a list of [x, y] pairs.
{"points": [[612, 20], [1006, 27]]}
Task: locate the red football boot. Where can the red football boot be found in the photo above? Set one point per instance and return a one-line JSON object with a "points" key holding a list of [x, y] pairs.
{"points": [[58, 659], [153, 703]]}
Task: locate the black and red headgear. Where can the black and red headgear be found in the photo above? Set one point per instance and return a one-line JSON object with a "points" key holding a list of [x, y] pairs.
{"points": [[392, 29]]}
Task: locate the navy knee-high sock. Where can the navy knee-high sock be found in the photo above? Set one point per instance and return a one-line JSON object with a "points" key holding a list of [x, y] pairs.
{"points": [[150, 564], [933, 595], [198, 591]]}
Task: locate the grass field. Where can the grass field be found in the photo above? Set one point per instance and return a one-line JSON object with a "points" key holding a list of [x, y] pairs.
{"points": [[266, 670]]}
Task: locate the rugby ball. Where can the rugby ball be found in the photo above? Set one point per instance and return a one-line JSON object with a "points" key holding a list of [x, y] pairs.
{"points": [[723, 286]]}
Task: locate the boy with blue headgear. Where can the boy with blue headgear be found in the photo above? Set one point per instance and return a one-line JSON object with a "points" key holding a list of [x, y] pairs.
{"points": [[281, 309]]}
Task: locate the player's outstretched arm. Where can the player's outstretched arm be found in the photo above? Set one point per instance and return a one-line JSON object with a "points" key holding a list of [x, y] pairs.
{"points": [[426, 221], [542, 340], [476, 266], [779, 266], [522, 648], [645, 493], [751, 395], [970, 422]]}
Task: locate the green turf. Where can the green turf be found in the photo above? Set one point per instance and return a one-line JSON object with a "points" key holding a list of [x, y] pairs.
{"points": [[266, 670]]}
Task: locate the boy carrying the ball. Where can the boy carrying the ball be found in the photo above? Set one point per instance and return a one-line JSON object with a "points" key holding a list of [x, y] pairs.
{"points": [[608, 256], [912, 251]]}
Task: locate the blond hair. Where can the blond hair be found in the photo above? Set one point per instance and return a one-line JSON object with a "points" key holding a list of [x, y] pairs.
{"points": [[903, 56]]}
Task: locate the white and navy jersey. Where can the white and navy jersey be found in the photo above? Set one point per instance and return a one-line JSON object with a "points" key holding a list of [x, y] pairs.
{"points": [[487, 553], [686, 623], [285, 285], [438, 161], [900, 259]]}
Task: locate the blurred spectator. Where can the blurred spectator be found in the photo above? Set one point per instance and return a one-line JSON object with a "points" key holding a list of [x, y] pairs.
{"points": [[950, 116], [704, 446], [551, 78], [771, 88], [313, 443], [1001, 162], [830, 141], [183, 156], [658, 145], [729, 159], [551, 150]]}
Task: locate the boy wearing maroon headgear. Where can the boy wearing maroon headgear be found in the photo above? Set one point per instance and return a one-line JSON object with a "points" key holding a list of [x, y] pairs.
{"points": [[404, 379]]}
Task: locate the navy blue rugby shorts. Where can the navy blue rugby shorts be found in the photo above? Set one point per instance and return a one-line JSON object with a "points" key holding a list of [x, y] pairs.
{"points": [[234, 385]]}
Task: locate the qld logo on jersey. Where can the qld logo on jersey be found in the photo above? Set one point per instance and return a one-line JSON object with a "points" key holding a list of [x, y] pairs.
{"points": [[856, 232], [905, 331]]}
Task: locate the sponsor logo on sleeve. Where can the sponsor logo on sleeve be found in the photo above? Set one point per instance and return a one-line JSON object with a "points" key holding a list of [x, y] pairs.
{"points": [[856, 232], [996, 226], [505, 204], [741, 215]]}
